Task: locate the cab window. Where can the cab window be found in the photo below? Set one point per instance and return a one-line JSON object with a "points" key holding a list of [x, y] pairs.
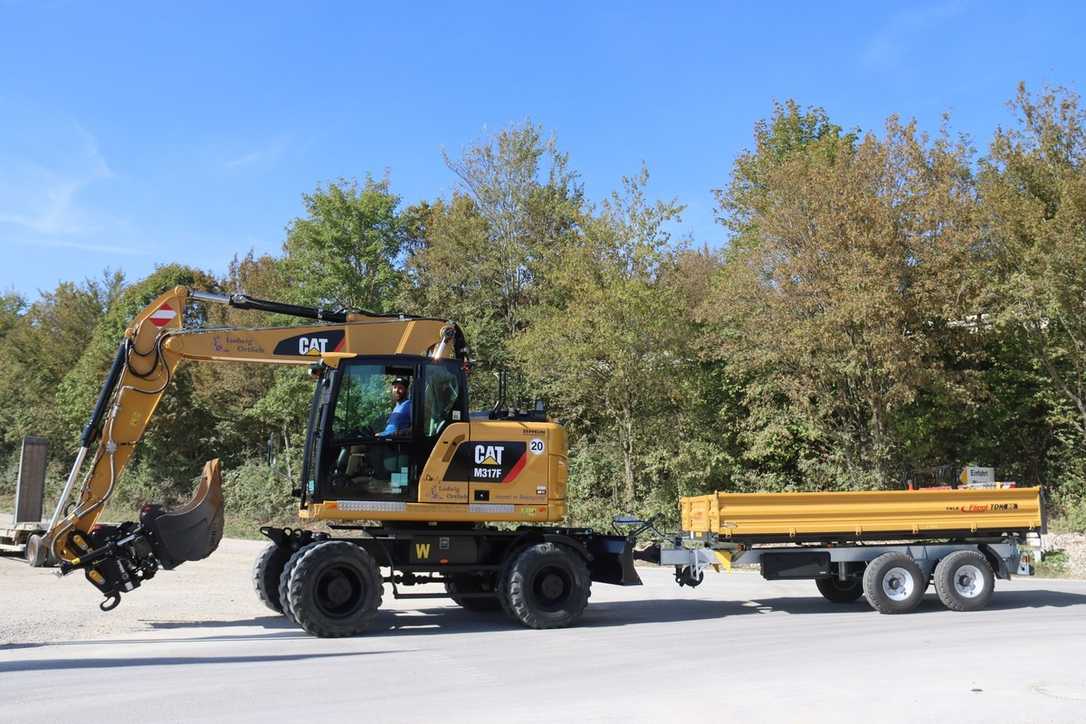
{"points": [[366, 406], [441, 400]]}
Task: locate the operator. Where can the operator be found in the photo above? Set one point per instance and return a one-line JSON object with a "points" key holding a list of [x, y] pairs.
{"points": [[400, 418]]}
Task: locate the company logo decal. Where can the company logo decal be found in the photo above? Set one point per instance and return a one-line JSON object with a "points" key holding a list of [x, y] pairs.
{"points": [[311, 345], [493, 462]]}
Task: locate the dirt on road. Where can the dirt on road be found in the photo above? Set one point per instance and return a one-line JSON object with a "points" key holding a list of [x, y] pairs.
{"points": [[39, 606]]}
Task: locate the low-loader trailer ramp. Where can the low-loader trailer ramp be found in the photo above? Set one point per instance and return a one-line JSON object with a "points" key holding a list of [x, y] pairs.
{"points": [[885, 545]]}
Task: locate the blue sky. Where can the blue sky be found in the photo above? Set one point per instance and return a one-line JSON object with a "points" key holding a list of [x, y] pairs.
{"points": [[135, 134]]}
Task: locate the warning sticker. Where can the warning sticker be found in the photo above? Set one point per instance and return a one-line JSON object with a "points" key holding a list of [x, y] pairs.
{"points": [[536, 446], [162, 316]]}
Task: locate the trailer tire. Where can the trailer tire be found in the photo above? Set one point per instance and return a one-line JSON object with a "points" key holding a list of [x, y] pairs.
{"points": [[893, 583], [335, 589], [469, 583], [37, 553], [547, 586], [284, 580], [838, 591], [267, 572], [964, 581]]}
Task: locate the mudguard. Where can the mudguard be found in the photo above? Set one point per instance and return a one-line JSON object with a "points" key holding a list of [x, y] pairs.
{"points": [[612, 560], [193, 531]]}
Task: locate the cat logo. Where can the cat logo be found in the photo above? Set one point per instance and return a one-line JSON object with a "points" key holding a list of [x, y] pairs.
{"points": [[488, 454], [312, 346], [489, 457], [422, 550]]}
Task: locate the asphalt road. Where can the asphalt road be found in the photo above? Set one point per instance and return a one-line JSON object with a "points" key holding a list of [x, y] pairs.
{"points": [[194, 645]]}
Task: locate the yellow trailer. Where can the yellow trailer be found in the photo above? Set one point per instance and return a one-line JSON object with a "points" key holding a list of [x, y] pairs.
{"points": [[887, 546], [877, 514]]}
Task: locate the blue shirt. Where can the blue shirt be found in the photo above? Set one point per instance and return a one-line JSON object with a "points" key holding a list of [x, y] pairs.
{"points": [[400, 419]]}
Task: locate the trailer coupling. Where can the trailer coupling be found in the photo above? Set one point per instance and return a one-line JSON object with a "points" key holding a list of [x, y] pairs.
{"points": [[117, 559]]}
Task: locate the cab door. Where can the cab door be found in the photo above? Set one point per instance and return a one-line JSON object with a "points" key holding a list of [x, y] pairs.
{"points": [[370, 453], [444, 426]]}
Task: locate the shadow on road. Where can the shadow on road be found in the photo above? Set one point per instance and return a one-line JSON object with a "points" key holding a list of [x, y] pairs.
{"points": [[60, 664], [454, 620]]}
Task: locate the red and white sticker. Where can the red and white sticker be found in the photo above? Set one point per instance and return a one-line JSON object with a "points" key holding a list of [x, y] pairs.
{"points": [[162, 316]]}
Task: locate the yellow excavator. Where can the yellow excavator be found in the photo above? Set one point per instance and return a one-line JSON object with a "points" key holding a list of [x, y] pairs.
{"points": [[411, 484]]}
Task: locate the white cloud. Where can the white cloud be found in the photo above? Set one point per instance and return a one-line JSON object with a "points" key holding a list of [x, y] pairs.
{"points": [[80, 246], [267, 154], [39, 187]]}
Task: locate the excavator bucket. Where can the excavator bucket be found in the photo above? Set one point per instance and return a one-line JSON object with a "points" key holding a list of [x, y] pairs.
{"points": [[119, 558], [193, 531]]}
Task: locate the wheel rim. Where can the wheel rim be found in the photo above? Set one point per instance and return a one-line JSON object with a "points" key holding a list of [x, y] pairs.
{"points": [[551, 588], [898, 584], [968, 581], [339, 591]]}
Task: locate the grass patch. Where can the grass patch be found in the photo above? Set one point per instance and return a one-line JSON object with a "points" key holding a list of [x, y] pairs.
{"points": [[1056, 564]]}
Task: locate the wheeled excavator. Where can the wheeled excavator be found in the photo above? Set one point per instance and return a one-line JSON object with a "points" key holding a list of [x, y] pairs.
{"points": [[431, 494]]}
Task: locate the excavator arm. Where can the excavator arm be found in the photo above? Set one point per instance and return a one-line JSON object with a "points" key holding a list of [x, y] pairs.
{"points": [[117, 558]]}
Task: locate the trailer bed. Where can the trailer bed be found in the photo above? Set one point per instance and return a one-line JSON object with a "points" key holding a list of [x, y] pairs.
{"points": [[863, 515]]}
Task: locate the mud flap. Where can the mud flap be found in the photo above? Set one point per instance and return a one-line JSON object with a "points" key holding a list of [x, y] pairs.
{"points": [[193, 531], [612, 560]]}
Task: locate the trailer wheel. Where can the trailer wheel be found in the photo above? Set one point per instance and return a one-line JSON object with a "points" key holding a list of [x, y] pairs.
{"points": [[468, 583], [838, 591], [37, 554], [267, 571], [964, 581], [284, 579], [335, 589], [893, 583], [547, 586]]}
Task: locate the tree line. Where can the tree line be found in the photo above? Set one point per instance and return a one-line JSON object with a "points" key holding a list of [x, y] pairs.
{"points": [[887, 302]]}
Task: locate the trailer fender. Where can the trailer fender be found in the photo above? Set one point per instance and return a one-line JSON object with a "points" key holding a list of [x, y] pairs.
{"points": [[998, 564]]}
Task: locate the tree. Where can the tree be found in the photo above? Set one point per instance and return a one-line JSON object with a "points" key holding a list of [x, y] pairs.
{"points": [[1033, 191], [41, 346], [849, 260], [612, 355], [486, 252], [344, 253]]}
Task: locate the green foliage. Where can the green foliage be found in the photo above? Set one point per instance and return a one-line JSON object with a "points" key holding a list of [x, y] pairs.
{"points": [[343, 254], [1033, 191], [485, 254], [1056, 564], [885, 304]]}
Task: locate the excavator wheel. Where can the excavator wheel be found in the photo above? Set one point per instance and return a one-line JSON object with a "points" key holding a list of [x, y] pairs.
{"points": [[546, 586], [335, 589], [284, 579], [468, 583], [267, 572]]}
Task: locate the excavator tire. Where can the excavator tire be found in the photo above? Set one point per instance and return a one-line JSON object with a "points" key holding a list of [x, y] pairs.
{"points": [[284, 579], [267, 571], [468, 583], [335, 589], [547, 586]]}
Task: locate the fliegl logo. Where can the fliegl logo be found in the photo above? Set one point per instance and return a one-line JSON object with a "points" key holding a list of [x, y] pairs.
{"points": [[311, 345], [488, 461]]}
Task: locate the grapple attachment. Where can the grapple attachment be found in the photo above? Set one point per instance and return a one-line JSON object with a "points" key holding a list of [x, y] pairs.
{"points": [[118, 558]]}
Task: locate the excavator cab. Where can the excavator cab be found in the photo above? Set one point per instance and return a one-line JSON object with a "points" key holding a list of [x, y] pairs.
{"points": [[374, 423]]}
